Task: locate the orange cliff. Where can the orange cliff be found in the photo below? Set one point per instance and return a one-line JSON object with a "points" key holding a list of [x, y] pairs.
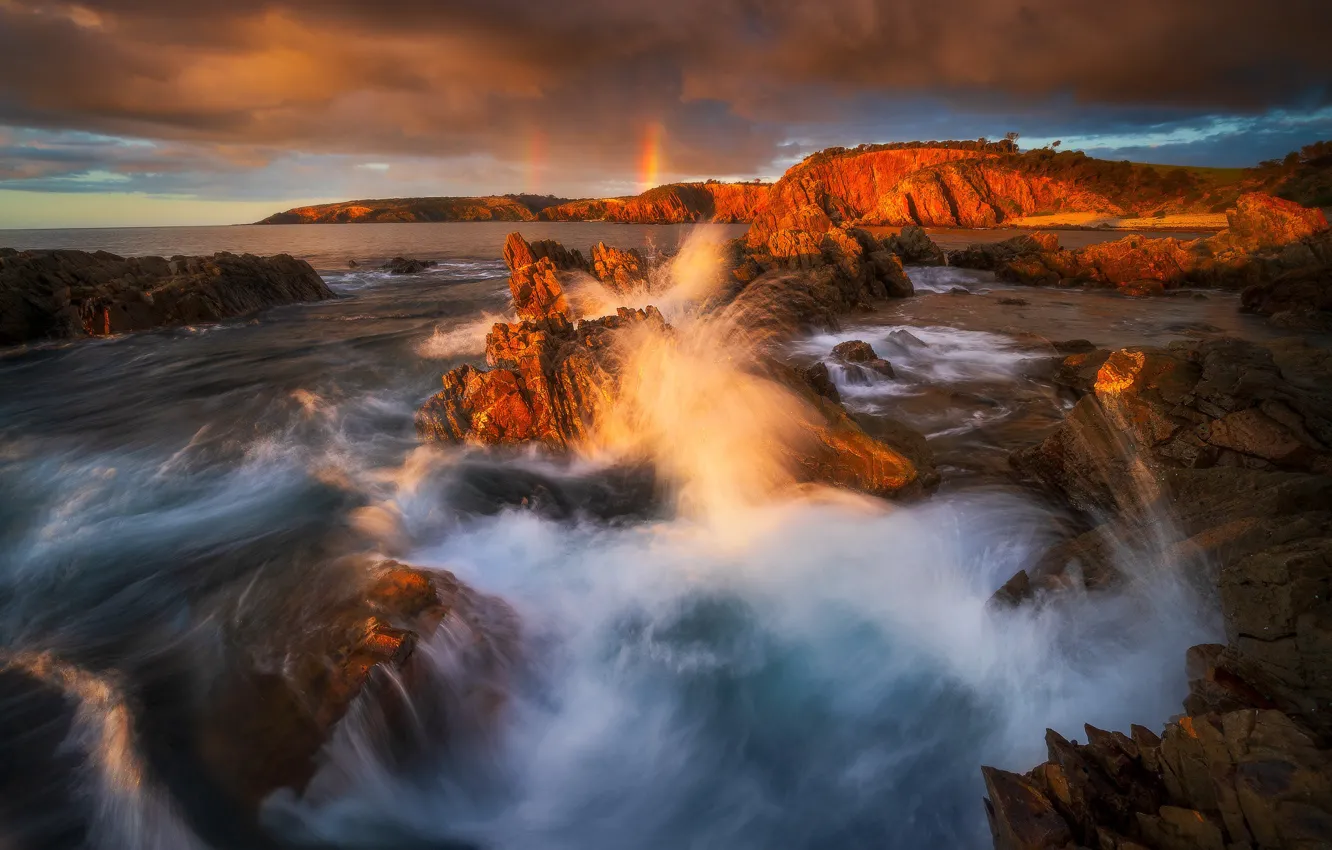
{"points": [[675, 203], [969, 184]]}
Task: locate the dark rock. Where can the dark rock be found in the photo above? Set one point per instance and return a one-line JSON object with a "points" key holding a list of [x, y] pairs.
{"points": [[264, 728], [71, 294], [816, 375], [990, 256], [407, 265], [914, 247], [1014, 302]]}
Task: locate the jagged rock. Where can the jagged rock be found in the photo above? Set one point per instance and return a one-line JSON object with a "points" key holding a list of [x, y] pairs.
{"points": [[518, 252], [914, 246], [551, 383], [71, 294], [620, 270], [407, 265], [1021, 817], [264, 727]]}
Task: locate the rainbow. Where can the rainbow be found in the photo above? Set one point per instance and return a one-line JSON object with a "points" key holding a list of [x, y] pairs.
{"points": [[650, 163], [536, 161]]}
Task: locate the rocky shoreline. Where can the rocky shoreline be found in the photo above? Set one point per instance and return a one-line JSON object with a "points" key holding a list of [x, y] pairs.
{"points": [[53, 295]]}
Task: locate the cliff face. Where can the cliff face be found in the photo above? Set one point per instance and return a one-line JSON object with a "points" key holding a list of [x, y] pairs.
{"points": [[409, 209], [676, 203], [931, 186]]}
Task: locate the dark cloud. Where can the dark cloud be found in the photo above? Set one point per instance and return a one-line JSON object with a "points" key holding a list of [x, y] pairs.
{"points": [[563, 95]]}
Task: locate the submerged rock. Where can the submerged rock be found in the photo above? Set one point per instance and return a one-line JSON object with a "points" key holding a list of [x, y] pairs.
{"points": [[407, 265], [71, 294], [861, 355]]}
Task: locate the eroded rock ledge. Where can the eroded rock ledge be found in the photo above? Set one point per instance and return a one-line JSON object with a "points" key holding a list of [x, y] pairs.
{"points": [[72, 294], [1231, 440]]}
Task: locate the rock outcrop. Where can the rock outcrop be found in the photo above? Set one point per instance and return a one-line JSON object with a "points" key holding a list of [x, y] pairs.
{"points": [[555, 383], [72, 294], [1231, 440], [620, 270], [1267, 238], [675, 203], [266, 725]]}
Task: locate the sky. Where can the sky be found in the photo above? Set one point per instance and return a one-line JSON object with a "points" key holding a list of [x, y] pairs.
{"points": [[154, 112]]}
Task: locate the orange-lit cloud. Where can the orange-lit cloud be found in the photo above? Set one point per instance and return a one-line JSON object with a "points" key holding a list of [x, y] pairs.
{"points": [[736, 87]]}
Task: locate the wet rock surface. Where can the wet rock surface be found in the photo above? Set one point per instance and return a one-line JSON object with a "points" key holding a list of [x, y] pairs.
{"points": [[1231, 440], [269, 722], [407, 265], [72, 294]]}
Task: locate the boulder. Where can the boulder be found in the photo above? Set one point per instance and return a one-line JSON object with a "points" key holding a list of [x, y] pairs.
{"points": [[913, 246], [860, 355], [1263, 221], [72, 294]]}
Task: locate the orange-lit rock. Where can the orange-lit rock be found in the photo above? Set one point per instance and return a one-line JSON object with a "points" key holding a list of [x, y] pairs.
{"points": [[264, 728], [1262, 221], [620, 270]]}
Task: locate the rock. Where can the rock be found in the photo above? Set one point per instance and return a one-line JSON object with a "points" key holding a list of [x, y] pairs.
{"points": [[1302, 298], [1262, 221], [1014, 302], [958, 290], [264, 728], [518, 252], [71, 294], [854, 351], [352, 264], [820, 381], [406, 265], [989, 256], [1268, 238], [1021, 817], [551, 383], [1073, 346], [860, 354], [913, 246], [620, 271]]}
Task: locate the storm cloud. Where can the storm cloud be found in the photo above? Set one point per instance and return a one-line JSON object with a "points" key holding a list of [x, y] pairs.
{"points": [[217, 97]]}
